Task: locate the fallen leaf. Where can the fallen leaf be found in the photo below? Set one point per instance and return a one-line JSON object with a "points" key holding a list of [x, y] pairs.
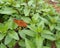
{"points": [[20, 23]]}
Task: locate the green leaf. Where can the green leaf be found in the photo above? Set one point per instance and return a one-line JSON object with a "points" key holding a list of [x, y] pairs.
{"points": [[49, 37], [30, 2], [6, 27], [11, 24], [2, 45], [41, 23], [47, 32], [58, 28], [39, 41], [32, 27], [13, 35], [1, 36], [22, 43], [35, 17], [12, 44], [17, 4], [1, 27], [26, 19], [58, 43], [26, 11], [44, 19], [7, 40], [29, 44], [22, 35], [52, 26], [28, 32], [40, 26], [58, 35], [7, 10]]}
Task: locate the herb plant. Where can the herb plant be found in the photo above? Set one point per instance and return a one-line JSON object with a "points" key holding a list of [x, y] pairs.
{"points": [[28, 24]]}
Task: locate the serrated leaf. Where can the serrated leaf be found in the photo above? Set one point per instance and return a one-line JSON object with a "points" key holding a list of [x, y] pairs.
{"points": [[1, 27], [45, 20], [22, 43], [29, 44], [51, 26], [32, 27], [7, 40], [1, 36], [12, 43], [30, 2], [26, 11], [26, 19], [49, 37], [13, 35], [17, 5], [6, 27], [11, 24], [7, 10], [47, 32], [58, 28], [40, 26], [58, 35], [35, 17], [58, 43], [22, 35], [39, 41], [28, 32], [2, 45]]}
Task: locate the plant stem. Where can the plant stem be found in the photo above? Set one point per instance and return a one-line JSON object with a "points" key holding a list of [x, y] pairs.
{"points": [[26, 2], [17, 10], [53, 44], [36, 4]]}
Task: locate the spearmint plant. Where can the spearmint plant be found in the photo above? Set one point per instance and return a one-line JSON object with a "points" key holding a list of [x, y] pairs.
{"points": [[42, 20]]}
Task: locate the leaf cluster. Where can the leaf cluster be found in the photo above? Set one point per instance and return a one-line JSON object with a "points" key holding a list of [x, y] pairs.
{"points": [[43, 24]]}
